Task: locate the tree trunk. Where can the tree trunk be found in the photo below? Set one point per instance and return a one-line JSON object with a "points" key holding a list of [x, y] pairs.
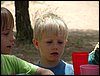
{"points": [[23, 25]]}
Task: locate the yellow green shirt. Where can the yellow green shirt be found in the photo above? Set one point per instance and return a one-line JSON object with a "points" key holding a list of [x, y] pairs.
{"points": [[12, 65]]}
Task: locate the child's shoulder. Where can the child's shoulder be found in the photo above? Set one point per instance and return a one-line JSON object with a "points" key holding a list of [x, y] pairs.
{"points": [[68, 68], [7, 55], [67, 64]]}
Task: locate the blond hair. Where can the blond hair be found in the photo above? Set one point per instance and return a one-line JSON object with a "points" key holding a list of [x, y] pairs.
{"points": [[7, 20], [50, 23]]}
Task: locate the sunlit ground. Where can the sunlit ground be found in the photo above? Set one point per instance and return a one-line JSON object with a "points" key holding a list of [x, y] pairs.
{"points": [[77, 14]]}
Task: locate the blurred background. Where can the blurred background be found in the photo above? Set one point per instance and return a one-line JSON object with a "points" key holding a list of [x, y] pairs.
{"points": [[82, 18]]}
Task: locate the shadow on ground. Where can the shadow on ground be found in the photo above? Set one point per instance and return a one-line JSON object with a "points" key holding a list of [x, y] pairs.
{"points": [[79, 40]]}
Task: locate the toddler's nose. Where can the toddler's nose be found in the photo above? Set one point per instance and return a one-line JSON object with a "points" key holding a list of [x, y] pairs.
{"points": [[13, 40], [55, 47]]}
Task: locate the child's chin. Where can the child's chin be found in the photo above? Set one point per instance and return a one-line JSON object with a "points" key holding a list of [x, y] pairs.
{"points": [[8, 50], [55, 59]]}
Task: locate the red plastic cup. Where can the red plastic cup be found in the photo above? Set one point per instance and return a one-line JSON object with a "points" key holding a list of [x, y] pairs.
{"points": [[79, 58], [89, 69]]}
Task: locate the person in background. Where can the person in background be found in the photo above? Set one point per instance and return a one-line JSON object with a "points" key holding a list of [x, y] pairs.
{"points": [[50, 38], [10, 64], [94, 55]]}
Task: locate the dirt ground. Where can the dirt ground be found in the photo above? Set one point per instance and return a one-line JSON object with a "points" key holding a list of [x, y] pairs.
{"points": [[82, 18]]}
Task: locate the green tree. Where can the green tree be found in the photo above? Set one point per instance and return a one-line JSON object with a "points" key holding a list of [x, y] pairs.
{"points": [[23, 25]]}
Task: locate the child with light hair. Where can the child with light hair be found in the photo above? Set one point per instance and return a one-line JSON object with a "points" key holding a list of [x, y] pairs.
{"points": [[10, 64], [50, 38], [94, 55]]}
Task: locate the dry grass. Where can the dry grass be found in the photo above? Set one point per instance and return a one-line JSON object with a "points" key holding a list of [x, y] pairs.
{"points": [[79, 40]]}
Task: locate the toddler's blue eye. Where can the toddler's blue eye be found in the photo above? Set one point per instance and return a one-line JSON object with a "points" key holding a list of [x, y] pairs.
{"points": [[6, 33], [60, 42], [49, 42]]}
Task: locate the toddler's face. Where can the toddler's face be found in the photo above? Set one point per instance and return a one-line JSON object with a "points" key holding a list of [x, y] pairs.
{"points": [[51, 46], [7, 41]]}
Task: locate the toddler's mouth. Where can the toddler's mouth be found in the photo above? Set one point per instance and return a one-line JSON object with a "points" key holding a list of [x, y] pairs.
{"points": [[54, 53], [8, 46]]}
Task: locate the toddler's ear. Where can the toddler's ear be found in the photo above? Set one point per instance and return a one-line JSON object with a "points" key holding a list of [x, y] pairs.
{"points": [[66, 42], [35, 43]]}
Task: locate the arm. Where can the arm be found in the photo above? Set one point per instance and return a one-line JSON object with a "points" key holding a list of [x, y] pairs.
{"points": [[25, 68], [42, 71]]}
